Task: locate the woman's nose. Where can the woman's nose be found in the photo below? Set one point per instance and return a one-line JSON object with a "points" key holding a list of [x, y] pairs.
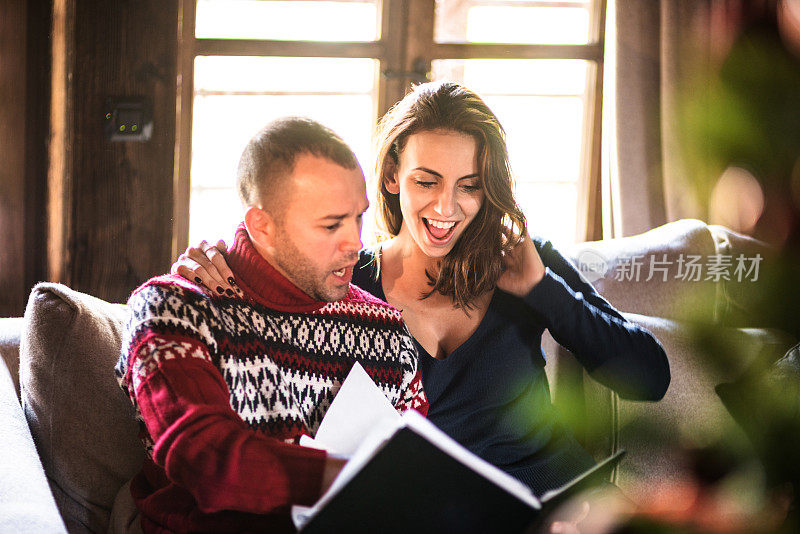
{"points": [[446, 203]]}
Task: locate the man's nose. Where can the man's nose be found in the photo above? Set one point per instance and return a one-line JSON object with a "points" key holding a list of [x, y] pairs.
{"points": [[351, 241]]}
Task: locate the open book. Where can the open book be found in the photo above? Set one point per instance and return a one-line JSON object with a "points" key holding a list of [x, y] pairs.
{"points": [[409, 476]]}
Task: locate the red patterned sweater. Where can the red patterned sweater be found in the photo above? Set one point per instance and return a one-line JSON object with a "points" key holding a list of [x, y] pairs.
{"points": [[225, 387]]}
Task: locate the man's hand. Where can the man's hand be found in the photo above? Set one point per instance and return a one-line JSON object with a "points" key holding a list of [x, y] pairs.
{"points": [[333, 466], [205, 264], [523, 269]]}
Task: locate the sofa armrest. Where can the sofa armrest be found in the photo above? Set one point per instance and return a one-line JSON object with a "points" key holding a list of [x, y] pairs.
{"points": [[691, 415], [26, 503]]}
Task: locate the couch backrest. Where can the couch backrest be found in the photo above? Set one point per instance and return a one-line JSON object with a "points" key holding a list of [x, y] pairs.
{"points": [[660, 273], [81, 421]]}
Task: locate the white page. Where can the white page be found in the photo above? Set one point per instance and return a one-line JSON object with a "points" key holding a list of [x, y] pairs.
{"points": [[356, 409]]}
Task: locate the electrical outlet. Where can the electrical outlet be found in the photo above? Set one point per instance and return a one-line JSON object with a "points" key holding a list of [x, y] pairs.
{"points": [[128, 119]]}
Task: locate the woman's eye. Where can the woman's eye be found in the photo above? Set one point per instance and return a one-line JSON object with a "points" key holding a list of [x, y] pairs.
{"points": [[424, 183], [471, 187]]}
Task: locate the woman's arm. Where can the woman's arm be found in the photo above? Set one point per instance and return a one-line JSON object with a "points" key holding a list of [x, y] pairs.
{"points": [[616, 352]]}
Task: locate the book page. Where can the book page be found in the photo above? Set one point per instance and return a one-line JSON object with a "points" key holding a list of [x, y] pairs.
{"points": [[356, 409]]}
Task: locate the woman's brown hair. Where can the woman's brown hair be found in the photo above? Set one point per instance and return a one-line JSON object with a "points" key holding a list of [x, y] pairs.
{"points": [[474, 264]]}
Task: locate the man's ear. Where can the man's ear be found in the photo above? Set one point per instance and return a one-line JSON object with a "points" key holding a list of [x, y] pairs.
{"points": [[390, 177], [260, 226]]}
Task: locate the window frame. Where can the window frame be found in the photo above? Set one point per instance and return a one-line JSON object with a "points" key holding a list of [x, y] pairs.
{"points": [[405, 53]]}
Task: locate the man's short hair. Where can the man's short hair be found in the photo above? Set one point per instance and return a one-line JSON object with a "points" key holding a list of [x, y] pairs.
{"points": [[269, 158]]}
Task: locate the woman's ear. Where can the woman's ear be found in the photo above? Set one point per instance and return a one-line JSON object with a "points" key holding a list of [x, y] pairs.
{"points": [[390, 177]]}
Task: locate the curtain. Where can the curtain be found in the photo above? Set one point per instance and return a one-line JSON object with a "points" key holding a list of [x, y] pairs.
{"points": [[657, 50]]}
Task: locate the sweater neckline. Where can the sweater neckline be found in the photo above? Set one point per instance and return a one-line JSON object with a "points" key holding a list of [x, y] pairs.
{"points": [[471, 340], [261, 282]]}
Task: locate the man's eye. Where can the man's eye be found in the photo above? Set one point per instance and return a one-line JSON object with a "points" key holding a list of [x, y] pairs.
{"points": [[333, 227]]}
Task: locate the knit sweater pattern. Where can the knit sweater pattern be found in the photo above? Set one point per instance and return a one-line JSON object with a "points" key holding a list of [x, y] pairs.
{"points": [[224, 387]]}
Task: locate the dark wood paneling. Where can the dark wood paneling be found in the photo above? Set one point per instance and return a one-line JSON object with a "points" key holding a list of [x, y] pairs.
{"points": [[13, 15], [24, 75], [37, 88], [122, 193]]}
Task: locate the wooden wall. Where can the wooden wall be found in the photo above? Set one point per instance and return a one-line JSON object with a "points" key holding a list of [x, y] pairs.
{"points": [[24, 98], [74, 207], [111, 202]]}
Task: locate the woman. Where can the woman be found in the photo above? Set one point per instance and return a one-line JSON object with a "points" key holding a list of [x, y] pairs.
{"points": [[477, 293]]}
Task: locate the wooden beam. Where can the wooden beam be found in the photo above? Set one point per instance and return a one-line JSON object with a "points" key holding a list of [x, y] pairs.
{"points": [[590, 199], [394, 20], [419, 46], [591, 52], [62, 117], [253, 47], [183, 131]]}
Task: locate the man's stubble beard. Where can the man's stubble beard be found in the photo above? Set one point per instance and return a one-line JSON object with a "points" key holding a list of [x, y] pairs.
{"points": [[301, 272]]}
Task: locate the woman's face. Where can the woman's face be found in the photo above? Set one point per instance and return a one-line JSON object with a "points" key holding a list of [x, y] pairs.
{"points": [[440, 189]]}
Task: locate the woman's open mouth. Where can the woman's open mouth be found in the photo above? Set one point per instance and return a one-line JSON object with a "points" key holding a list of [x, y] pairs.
{"points": [[439, 232]]}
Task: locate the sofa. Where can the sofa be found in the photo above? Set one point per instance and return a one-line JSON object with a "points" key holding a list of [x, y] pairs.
{"points": [[70, 440]]}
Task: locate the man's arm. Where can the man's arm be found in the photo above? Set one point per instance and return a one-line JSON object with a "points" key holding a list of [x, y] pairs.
{"points": [[413, 396], [199, 440]]}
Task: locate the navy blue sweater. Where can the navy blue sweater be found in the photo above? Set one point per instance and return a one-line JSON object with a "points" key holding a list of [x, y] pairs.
{"points": [[491, 394]]}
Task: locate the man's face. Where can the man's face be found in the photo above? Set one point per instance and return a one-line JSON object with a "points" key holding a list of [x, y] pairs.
{"points": [[318, 238]]}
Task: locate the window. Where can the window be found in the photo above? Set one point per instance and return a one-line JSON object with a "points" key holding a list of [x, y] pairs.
{"points": [[345, 62]]}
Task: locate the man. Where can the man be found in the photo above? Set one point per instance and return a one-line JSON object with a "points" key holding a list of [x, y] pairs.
{"points": [[224, 387]]}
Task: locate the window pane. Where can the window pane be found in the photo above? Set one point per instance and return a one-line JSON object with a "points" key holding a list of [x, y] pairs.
{"points": [[550, 210], [540, 103], [224, 121], [293, 20], [516, 76], [544, 136], [284, 74], [504, 21]]}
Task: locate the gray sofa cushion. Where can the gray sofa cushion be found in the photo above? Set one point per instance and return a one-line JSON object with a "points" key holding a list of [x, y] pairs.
{"points": [[26, 504], [81, 421]]}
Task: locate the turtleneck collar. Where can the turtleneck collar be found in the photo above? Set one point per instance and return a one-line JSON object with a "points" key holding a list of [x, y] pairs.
{"points": [[262, 282]]}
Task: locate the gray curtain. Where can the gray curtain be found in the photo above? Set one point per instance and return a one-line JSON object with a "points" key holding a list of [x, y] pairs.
{"points": [[656, 46]]}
